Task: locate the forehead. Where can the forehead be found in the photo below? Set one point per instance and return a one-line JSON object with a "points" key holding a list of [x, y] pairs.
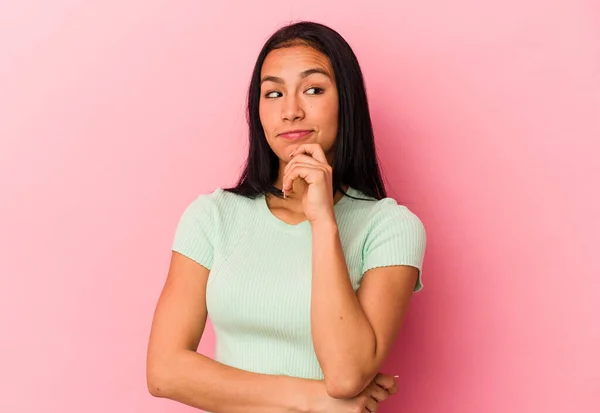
{"points": [[293, 60]]}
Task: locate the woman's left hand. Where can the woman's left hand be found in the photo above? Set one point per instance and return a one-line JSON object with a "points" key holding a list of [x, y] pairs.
{"points": [[310, 164]]}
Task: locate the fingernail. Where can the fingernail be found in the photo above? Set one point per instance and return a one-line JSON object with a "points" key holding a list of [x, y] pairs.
{"points": [[396, 377]]}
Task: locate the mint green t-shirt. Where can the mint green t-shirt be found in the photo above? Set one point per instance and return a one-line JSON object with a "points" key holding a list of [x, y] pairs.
{"points": [[259, 288]]}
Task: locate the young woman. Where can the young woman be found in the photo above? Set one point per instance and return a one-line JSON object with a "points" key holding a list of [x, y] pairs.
{"points": [[305, 267]]}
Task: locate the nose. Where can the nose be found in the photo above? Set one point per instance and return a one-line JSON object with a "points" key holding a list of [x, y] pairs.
{"points": [[292, 108]]}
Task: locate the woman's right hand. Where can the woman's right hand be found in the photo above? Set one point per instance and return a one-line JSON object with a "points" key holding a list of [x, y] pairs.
{"points": [[382, 387]]}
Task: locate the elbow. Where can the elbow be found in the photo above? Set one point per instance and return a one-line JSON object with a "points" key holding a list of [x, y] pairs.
{"points": [[156, 381], [155, 386], [346, 387], [163, 374]]}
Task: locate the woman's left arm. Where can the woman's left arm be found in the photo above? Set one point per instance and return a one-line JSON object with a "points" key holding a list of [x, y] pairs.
{"points": [[353, 333]]}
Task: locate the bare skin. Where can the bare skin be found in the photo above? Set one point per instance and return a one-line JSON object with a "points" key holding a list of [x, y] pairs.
{"points": [[298, 92]]}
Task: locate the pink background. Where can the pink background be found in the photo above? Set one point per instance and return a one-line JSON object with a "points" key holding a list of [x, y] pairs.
{"points": [[114, 115]]}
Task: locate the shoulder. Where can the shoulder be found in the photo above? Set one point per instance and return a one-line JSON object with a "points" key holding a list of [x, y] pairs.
{"points": [[389, 210], [219, 206], [207, 210], [207, 199], [202, 204], [219, 198], [379, 214]]}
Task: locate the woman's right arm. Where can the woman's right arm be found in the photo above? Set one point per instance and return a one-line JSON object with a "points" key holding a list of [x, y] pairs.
{"points": [[174, 369]]}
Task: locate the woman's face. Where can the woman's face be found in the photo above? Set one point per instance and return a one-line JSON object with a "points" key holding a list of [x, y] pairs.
{"points": [[299, 100]]}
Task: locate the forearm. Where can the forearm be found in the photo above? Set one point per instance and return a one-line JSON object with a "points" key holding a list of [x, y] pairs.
{"points": [[344, 340], [196, 380]]}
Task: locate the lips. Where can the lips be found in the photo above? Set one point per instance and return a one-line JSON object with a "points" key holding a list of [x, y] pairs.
{"points": [[295, 134]]}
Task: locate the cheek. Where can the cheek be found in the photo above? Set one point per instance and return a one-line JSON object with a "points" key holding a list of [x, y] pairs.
{"points": [[265, 119], [328, 119], [326, 112], [331, 114]]}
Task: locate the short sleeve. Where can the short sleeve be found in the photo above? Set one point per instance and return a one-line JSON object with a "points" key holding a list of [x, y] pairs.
{"points": [[396, 236], [194, 233]]}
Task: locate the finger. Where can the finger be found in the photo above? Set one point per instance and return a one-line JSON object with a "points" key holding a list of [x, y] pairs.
{"points": [[309, 173], [384, 380], [312, 149], [305, 158], [301, 159], [318, 166], [298, 172], [293, 172], [393, 390], [378, 393], [303, 164], [371, 404]]}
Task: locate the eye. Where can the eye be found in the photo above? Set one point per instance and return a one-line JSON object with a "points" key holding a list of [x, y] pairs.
{"points": [[314, 91], [272, 95]]}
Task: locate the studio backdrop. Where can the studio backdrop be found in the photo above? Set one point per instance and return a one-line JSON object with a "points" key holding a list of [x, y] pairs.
{"points": [[114, 115]]}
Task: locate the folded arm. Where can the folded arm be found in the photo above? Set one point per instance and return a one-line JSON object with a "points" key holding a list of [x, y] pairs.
{"points": [[353, 333], [176, 371]]}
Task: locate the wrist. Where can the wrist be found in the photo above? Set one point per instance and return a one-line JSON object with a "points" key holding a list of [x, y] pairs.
{"points": [[301, 395], [315, 394], [325, 224]]}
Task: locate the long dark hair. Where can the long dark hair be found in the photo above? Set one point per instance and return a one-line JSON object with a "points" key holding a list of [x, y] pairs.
{"points": [[355, 161]]}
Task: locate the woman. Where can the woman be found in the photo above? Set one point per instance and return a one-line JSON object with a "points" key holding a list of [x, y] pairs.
{"points": [[287, 250]]}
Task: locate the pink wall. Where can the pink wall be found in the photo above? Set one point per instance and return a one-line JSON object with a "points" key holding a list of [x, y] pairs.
{"points": [[115, 114]]}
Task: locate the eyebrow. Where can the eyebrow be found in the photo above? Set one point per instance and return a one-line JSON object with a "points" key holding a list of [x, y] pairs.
{"points": [[303, 75]]}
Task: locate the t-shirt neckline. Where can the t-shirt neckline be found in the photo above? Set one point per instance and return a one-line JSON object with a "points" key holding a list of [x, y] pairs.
{"points": [[301, 227]]}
